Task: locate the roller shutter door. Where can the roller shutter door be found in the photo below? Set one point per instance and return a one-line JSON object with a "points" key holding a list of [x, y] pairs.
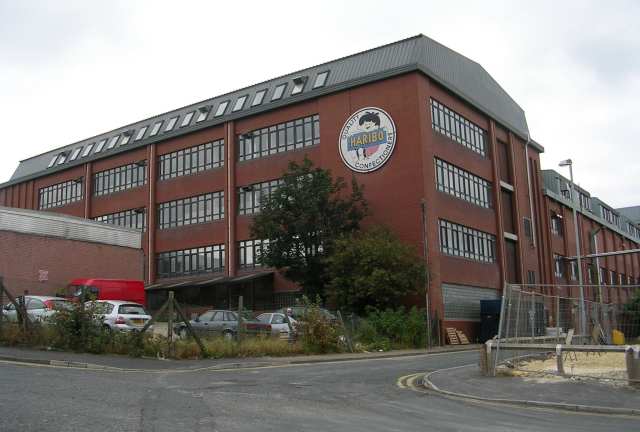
{"points": [[462, 302]]}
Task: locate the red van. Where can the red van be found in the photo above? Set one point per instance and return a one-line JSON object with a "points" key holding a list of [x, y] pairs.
{"points": [[109, 289]]}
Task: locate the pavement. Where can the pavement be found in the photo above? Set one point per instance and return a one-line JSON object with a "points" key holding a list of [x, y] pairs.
{"points": [[547, 392], [120, 362]]}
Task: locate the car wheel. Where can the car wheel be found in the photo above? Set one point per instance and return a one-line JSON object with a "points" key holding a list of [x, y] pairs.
{"points": [[183, 333], [227, 335], [107, 329]]}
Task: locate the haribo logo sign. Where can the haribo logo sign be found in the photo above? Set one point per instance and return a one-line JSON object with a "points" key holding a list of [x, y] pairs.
{"points": [[367, 139]]}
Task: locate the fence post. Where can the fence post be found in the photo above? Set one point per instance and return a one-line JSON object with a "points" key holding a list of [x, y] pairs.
{"points": [[558, 318], [1, 304], [346, 333], [494, 360], [170, 324], [239, 326], [532, 317], [559, 362], [23, 311], [632, 357]]}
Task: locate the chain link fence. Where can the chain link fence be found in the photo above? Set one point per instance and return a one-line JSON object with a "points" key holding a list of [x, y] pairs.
{"points": [[553, 314]]}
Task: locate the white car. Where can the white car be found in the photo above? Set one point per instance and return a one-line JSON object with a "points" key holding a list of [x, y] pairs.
{"points": [[39, 308], [278, 321], [120, 315]]}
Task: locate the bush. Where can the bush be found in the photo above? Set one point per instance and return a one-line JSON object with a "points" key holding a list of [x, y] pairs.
{"points": [[76, 329], [392, 329], [315, 331]]}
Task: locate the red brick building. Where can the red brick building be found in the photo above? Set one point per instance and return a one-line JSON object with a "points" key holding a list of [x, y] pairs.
{"points": [[440, 147], [42, 252]]}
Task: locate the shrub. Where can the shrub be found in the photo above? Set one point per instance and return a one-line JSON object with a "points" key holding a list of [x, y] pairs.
{"points": [[392, 329], [315, 331], [76, 329]]}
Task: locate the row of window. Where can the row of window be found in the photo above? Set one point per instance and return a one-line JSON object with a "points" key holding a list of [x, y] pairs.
{"points": [[200, 114], [462, 184], [250, 198], [462, 241], [61, 194], [193, 210], [120, 178], [291, 135], [191, 160], [563, 268], [135, 218], [191, 261], [249, 253], [448, 122]]}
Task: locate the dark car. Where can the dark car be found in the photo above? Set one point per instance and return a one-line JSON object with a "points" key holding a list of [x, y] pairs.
{"points": [[221, 322]]}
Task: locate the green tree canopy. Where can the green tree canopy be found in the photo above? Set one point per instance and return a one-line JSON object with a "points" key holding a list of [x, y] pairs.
{"points": [[373, 268], [302, 220]]}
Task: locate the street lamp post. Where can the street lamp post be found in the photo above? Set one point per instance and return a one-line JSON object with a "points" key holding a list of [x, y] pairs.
{"points": [[583, 316]]}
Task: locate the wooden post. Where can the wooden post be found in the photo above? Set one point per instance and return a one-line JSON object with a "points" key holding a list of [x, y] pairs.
{"points": [[559, 362], [23, 310], [239, 325], [347, 336], [170, 304], [203, 350]]}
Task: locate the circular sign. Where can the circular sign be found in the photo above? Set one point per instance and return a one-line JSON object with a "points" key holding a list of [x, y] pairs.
{"points": [[367, 139]]}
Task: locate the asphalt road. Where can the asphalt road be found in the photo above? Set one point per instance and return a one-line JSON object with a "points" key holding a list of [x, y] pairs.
{"points": [[342, 396]]}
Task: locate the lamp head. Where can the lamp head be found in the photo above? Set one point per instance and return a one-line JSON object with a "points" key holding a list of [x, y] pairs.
{"points": [[566, 162]]}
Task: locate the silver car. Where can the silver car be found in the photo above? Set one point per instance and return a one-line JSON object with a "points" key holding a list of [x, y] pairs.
{"points": [[120, 315], [278, 321], [39, 308]]}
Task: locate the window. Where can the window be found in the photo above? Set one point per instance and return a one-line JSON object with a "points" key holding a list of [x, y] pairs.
{"points": [[141, 133], [556, 224], [53, 161], [100, 145], [75, 154], [585, 201], [321, 79], [528, 228], [603, 275], [298, 85], [239, 103], [257, 99], [87, 150], [462, 184], [279, 91], [462, 241], [574, 270], [292, 135], [610, 216], [531, 277], [193, 210], [126, 137], [458, 128], [112, 142], [156, 128], [249, 253], [171, 123], [191, 160], [190, 261], [222, 108], [120, 178], [187, 119], [202, 114], [60, 194], [558, 265], [62, 158], [250, 198], [134, 218]]}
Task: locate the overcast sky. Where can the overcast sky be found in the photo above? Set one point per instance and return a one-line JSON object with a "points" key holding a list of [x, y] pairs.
{"points": [[73, 69]]}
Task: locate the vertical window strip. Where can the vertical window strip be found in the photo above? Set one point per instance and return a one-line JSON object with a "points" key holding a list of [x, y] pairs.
{"points": [[458, 128], [120, 178], [187, 262], [191, 160], [462, 184], [462, 241], [61, 193], [193, 210], [249, 253], [134, 218], [251, 198], [283, 137]]}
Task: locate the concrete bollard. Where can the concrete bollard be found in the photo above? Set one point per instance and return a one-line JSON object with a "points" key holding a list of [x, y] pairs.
{"points": [[559, 362], [632, 356]]}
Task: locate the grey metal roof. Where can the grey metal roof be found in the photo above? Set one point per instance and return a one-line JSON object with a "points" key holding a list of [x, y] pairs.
{"points": [[67, 227], [632, 213], [462, 76]]}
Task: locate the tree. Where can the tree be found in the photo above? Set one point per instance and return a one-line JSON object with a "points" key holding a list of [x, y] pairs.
{"points": [[373, 268], [302, 220]]}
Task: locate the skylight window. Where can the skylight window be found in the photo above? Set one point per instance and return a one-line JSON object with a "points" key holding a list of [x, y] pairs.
{"points": [[279, 91], [52, 161], [87, 150], [222, 108], [75, 154], [171, 123], [202, 114], [321, 79], [126, 137], [298, 84], [257, 99], [240, 103], [187, 119], [113, 141], [156, 128], [62, 159], [100, 145], [141, 133]]}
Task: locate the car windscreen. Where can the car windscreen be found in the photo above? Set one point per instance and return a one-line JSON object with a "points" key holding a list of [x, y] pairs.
{"points": [[131, 309], [60, 304], [264, 318]]}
